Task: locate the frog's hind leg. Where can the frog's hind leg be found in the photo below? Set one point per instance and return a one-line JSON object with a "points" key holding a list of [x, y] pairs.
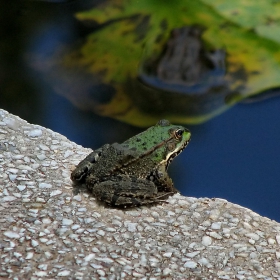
{"points": [[159, 198], [139, 201], [124, 191]]}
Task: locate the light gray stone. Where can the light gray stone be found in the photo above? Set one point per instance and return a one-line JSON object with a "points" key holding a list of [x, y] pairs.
{"points": [[50, 229]]}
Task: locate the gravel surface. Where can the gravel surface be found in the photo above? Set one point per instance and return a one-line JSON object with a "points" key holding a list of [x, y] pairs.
{"points": [[50, 230]]}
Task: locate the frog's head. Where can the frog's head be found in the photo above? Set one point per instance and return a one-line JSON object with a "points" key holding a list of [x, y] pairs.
{"points": [[177, 138], [159, 144]]}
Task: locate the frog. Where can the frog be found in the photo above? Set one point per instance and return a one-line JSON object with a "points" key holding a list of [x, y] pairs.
{"points": [[134, 173], [187, 61]]}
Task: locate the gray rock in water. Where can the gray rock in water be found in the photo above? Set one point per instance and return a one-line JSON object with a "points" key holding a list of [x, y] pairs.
{"points": [[49, 230]]}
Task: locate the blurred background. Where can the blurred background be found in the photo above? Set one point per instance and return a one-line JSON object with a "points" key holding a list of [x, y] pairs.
{"points": [[102, 71]]}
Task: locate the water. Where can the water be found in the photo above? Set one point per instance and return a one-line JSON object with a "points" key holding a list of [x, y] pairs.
{"points": [[236, 157]]}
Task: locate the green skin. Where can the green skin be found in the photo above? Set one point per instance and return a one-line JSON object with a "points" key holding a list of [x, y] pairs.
{"points": [[134, 173]]}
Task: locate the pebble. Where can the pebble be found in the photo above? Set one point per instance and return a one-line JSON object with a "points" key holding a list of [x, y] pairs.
{"points": [[12, 177], [131, 226], [68, 153], [34, 243], [41, 156], [77, 197], [43, 266], [41, 273], [67, 222], [190, 264], [11, 123], [215, 235], [89, 257], [21, 187], [216, 225], [64, 273], [11, 234], [167, 254], [34, 133], [45, 186], [101, 232], [44, 147], [55, 192], [253, 236], [29, 255], [206, 240], [204, 261], [166, 271], [96, 266], [192, 254]]}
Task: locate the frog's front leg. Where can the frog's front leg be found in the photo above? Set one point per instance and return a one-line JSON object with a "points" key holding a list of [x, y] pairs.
{"points": [[162, 180], [125, 191], [84, 168]]}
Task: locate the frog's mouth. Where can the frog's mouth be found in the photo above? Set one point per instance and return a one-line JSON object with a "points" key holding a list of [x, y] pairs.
{"points": [[175, 153]]}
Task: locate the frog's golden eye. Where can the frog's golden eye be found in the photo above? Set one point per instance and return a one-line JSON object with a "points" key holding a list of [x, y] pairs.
{"points": [[178, 133]]}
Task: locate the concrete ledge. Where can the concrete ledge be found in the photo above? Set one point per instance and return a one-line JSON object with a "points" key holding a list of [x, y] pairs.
{"points": [[48, 230]]}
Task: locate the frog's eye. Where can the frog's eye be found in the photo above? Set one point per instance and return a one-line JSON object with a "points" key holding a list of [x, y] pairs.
{"points": [[178, 133]]}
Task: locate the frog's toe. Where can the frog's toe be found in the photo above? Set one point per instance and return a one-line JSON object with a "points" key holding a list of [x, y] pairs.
{"points": [[164, 195], [122, 201]]}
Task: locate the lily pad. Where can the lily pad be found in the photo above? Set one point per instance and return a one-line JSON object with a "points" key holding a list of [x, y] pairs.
{"points": [[133, 34]]}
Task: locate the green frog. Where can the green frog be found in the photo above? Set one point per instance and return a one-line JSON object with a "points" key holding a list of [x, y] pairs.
{"points": [[134, 173]]}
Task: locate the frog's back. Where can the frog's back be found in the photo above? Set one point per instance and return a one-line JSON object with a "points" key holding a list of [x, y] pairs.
{"points": [[150, 138]]}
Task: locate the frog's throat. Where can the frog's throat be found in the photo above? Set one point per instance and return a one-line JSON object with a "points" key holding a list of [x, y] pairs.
{"points": [[170, 156]]}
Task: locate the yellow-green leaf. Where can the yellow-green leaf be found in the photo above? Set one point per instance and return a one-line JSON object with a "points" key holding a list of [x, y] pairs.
{"points": [[133, 32]]}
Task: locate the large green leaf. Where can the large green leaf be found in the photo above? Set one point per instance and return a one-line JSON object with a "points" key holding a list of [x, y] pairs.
{"points": [[261, 16], [131, 32]]}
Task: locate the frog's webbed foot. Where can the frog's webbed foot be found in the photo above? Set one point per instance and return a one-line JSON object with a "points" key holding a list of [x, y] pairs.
{"points": [[140, 201], [160, 198], [85, 166], [124, 191]]}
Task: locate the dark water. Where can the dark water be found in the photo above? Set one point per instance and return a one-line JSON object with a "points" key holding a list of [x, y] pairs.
{"points": [[235, 156]]}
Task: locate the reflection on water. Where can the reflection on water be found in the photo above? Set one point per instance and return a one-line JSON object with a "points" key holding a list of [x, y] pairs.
{"points": [[185, 65], [234, 156]]}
